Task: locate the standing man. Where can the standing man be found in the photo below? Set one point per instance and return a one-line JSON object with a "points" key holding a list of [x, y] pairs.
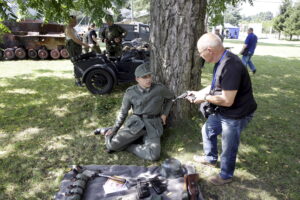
{"points": [[248, 50], [112, 36], [231, 106], [74, 45], [92, 36], [217, 32], [151, 104], [85, 39]]}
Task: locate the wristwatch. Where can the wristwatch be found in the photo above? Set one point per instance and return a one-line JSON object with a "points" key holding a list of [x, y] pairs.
{"points": [[205, 97]]}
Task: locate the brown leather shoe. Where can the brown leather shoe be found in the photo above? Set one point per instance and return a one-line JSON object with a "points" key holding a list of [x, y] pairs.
{"points": [[217, 180], [202, 160]]}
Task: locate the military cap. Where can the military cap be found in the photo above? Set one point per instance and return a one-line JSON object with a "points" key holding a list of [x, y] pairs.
{"points": [[142, 70], [109, 18]]}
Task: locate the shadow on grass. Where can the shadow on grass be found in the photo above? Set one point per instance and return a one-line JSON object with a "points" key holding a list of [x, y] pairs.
{"points": [[47, 124]]}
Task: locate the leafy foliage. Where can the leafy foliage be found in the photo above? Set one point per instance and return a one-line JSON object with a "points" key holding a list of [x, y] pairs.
{"points": [[292, 23], [216, 9], [59, 10], [281, 18], [232, 15], [260, 17]]}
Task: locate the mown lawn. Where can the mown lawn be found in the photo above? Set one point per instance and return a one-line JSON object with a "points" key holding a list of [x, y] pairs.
{"points": [[46, 125]]}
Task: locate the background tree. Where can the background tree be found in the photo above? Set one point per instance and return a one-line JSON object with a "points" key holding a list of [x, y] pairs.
{"points": [[279, 21], [292, 23], [232, 15]]}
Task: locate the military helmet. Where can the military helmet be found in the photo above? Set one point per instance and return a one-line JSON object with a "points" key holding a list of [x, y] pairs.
{"points": [[142, 70], [172, 168]]}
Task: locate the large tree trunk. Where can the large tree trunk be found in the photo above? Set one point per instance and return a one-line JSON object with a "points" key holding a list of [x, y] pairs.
{"points": [[176, 25]]}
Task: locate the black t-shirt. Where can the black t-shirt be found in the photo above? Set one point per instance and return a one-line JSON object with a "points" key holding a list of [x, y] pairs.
{"points": [[91, 34], [235, 76]]}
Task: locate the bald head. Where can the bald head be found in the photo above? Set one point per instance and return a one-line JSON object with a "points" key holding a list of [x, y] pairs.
{"points": [[209, 40], [210, 47]]}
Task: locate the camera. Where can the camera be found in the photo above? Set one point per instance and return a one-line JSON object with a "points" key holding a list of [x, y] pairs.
{"points": [[207, 109]]}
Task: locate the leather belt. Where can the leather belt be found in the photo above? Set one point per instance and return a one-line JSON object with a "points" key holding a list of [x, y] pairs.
{"points": [[148, 116]]}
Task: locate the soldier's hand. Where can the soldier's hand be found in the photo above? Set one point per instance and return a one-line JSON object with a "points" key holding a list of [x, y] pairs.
{"points": [[164, 119], [109, 132], [117, 40], [86, 45]]}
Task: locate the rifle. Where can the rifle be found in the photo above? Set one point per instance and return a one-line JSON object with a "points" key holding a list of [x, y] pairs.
{"points": [[185, 96]]}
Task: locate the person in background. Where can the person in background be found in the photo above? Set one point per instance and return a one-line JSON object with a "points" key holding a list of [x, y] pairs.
{"points": [[74, 45], [112, 36], [217, 32], [92, 36], [85, 39], [248, 50]]}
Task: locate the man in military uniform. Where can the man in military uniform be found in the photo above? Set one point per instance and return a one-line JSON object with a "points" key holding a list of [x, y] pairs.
{"points": [[151, 104], [112, 36]]}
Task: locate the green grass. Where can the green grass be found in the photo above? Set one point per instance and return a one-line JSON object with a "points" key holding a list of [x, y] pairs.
{"points": [[46, 124]]}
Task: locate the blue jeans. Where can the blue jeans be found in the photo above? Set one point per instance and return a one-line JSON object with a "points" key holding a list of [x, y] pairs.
{"points": [[230, 129], [247, 61]]}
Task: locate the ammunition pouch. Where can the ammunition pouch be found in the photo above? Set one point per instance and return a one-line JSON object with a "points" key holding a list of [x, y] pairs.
{"points": [[135, 124], [74, 197], [79, 183], [80, 178]]}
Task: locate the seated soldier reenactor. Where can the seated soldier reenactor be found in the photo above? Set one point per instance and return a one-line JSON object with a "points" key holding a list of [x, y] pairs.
{"points": [[151, 103]]}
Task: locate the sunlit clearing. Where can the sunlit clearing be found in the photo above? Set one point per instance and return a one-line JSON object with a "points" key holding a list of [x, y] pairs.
{"points": [[4, 84], [2, 105], [27, 134], [266, 95], [72, 95], [59, 112], [11, 188], [58, 142], [91, 122], [247, 149], [53, 74], [22, 91]]}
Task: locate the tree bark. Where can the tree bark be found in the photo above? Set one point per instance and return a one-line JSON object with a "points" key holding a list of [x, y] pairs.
{"points": [[176, 25]]}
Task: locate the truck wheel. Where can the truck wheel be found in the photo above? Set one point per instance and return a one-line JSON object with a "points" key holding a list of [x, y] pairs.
{"points": [[99, 82]]}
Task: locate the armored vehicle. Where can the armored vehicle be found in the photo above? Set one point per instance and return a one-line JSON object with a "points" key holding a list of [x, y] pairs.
{"points": [[100, 73], [34, 39]]}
